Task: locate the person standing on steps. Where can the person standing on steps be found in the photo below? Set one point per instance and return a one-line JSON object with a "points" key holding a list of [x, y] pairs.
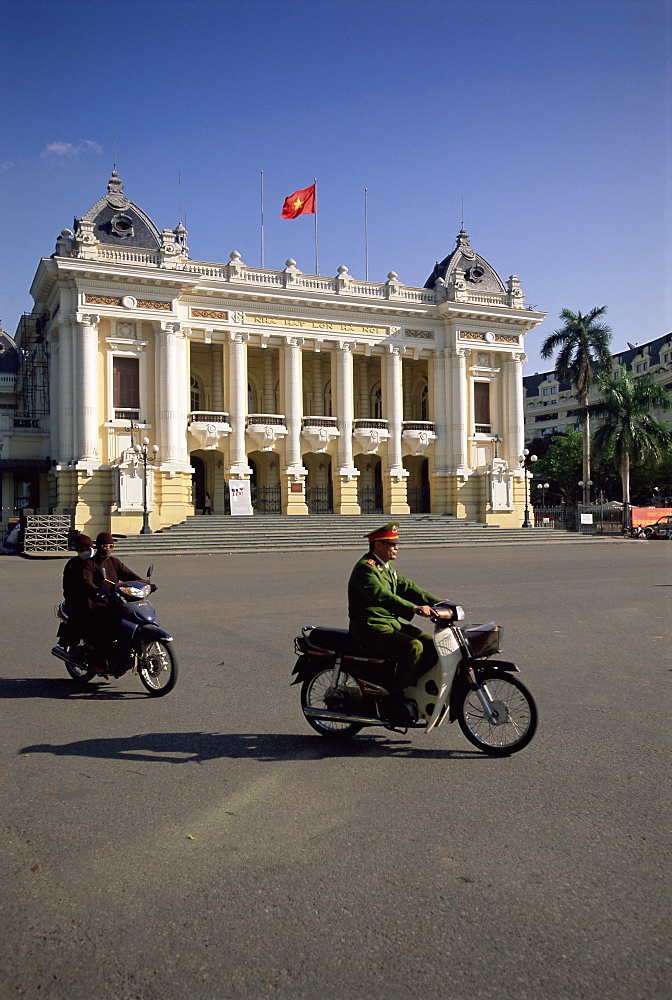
{"points": [[207, 503]]}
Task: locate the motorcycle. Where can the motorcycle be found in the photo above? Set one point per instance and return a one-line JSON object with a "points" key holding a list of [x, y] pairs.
{"points": [[140, 645], [343, 689]]}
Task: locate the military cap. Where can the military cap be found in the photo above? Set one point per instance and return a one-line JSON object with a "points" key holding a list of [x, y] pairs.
{"points": [[388, 533]]}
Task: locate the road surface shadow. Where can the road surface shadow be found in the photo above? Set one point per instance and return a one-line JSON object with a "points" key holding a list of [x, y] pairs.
{"points": [[64, 687], [198, 748]]}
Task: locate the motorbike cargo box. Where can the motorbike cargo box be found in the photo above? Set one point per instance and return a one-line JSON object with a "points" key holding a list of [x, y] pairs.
{"points": [[484, 640]]}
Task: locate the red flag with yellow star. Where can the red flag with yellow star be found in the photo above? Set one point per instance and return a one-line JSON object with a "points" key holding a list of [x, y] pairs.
{"points": [[300, 203]]}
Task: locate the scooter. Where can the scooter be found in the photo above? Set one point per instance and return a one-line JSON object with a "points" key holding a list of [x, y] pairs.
{"points": [[140, 645], [343, 688]]}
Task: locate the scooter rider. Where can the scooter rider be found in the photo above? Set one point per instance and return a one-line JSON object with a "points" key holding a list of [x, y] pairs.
{"points": [[101, 573], [381, 604]]}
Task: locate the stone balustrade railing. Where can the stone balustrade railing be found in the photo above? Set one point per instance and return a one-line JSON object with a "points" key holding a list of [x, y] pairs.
{"points": [[344, 285]]}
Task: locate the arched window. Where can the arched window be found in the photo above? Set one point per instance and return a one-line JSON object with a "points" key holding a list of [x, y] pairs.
{"points": [[196, 393], [377, 401], [424, 402]]}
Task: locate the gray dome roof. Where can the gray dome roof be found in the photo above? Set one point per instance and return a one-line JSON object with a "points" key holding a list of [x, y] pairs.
{"points": [[478, 274], [118, 222], [10, 357]]}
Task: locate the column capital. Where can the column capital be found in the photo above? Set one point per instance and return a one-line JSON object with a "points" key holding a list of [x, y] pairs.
{"points": [[293, 341], [518, 357], [393, 349], [237, 338], [87, 319], [345, 345], [171, 326]]}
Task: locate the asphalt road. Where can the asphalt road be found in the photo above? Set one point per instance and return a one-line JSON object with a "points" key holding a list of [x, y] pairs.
{"points": [[208, 845]]}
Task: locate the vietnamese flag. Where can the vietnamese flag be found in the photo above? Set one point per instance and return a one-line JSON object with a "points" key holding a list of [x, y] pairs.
{"points": [[300, 203]]}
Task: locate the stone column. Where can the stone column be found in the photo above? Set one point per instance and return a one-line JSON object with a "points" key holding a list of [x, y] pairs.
{"points": [[345, 477], [65, 391], [293, 478], [514, 431], [172, 389], [460, 411], [87, 427], [439, 482], [394, 477], [238, 467], [54, 396]]}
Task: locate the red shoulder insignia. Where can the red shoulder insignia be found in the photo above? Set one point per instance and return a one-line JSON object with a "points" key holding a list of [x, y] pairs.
{"points": [[372, 562]]}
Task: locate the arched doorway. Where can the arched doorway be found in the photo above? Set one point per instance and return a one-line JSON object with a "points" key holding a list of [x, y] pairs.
{"points": [[417, 485], [319, 487], [197, 482], [369, 484]]}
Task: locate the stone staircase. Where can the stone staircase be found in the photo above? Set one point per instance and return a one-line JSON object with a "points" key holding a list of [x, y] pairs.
{"points": [[224, 534]]}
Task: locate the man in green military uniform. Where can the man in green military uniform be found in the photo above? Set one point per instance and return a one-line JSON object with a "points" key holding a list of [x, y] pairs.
{"points": [[381, 604]]}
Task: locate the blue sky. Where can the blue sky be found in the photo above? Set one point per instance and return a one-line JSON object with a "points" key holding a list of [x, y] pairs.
{"points": [[549, 120]]}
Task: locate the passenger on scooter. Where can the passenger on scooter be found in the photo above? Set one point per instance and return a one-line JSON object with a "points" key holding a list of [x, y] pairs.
{"points": [[75, 590], [381, 604], [101, 573]]}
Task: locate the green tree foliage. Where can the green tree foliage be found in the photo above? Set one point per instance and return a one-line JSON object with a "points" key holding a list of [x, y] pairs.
{"points": [[561, 466], [629, 428], [583, 350]]}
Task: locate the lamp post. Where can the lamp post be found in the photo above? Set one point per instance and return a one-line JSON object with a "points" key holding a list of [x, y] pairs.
{"points": [[544, 487], [585, 487], [146, 453], [526, 460]]}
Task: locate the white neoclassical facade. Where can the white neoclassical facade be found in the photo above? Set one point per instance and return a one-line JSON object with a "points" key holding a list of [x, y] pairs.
{"points": [[328, 393]]}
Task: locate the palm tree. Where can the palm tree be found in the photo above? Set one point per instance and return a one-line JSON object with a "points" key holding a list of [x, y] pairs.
{"points": [[629, 427], [584, 350]]}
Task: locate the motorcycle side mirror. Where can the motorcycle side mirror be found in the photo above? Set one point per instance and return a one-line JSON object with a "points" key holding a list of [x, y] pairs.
{"points": [[100, 576], [150, 571]]}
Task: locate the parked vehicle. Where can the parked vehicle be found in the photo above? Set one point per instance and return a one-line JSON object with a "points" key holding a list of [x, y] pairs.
{"points": [[662, 528], [141, 645], [343, 689], [634, 531]]}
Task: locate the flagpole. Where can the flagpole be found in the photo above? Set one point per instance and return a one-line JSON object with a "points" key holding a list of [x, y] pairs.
{"points": [[366, 234], [262, 218], [317, 259]]}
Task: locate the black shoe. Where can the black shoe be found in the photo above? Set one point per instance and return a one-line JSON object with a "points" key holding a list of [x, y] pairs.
{"points": [[402, 713]]}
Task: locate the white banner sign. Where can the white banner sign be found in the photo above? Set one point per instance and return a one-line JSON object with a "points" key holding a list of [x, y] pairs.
{"points": [[586, 519], [240, 497]]}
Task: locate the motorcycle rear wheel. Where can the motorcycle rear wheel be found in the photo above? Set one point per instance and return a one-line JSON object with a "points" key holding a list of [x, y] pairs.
{"points": [[157, 667], [77, 672], [516, 706], [312, 696]]}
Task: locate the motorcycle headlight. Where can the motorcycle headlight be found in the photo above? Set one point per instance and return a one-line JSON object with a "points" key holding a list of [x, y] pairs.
{"points": [[136, 591], [459, 613]]}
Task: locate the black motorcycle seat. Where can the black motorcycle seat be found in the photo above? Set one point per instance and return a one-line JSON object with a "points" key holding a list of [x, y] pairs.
{"points": [[339, 640]]}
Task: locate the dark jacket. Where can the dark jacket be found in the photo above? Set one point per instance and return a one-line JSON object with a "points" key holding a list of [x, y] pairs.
{"points": [[115, 571], [75, 588], [379, 597]]}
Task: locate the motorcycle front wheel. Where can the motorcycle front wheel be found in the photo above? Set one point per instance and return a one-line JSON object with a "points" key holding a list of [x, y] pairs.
{"points": [[157, 667], [516, 715], [312, 696]]}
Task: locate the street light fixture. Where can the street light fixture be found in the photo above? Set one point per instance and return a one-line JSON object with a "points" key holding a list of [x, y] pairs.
{"points": [[585, 487], [146, 453], [544, 487], [526, 460]]}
